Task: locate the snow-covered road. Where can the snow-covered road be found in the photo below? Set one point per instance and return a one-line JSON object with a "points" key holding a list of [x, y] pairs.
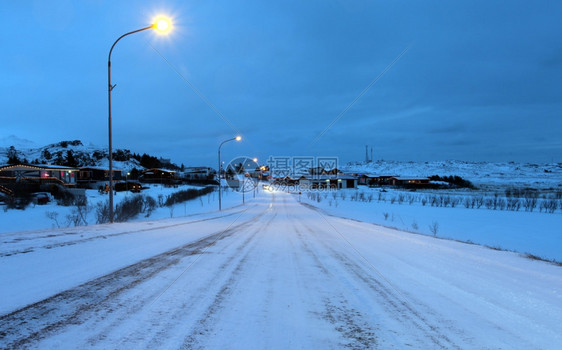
{"points": [[273, 274]]}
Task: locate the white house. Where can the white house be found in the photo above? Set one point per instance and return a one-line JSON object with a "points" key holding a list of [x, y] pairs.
{"points": [[197, 173], [328, 181]]}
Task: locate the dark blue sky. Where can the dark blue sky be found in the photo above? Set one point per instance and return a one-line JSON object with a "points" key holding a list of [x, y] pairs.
{"points": [[480, 81]]}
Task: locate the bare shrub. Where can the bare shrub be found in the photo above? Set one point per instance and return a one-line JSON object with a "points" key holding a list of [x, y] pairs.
{"points": [[127, 209], [434, 228], [132, 206], [79, 214], [434, 201], [455, 201], [530, 203], [53, 215], [549, 205], [501, 203], [149, 204], [479, 201], [513, 204], [185, 195], [102, 212]]}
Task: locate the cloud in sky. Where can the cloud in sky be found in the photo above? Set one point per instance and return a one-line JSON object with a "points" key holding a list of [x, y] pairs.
{"points": [[481, 80]]}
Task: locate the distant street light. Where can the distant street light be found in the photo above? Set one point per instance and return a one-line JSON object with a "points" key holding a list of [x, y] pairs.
{"points": [[257, 177], [161, 25], [237, 138]]}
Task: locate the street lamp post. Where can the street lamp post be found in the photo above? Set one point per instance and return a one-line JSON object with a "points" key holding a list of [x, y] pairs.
{"points": [[237, 138], [161, 25], [257, 179]]}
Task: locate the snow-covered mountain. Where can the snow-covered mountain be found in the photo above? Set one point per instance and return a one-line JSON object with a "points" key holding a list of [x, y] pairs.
{"points": [[482, 174]]}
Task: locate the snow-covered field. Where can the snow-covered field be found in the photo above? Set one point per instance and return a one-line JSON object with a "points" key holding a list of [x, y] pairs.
{"points": [[536, 233], [487, 176], [35, 217], [271, 274]]}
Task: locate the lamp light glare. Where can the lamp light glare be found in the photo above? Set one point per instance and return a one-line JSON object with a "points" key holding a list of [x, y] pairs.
{"points": [[162, 25]]}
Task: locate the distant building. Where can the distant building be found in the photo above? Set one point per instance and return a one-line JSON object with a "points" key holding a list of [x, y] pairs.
{"points": [[198, 173], [328, 182], [374, 180], [93, 177], [38, 174], [162, 176], [409, 181]]}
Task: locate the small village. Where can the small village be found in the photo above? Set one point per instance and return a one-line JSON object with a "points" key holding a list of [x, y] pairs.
{"points": [[30, 178]]}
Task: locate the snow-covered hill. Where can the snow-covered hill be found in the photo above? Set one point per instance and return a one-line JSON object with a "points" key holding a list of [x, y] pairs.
{"points": [[482, 174], [69, 153]]}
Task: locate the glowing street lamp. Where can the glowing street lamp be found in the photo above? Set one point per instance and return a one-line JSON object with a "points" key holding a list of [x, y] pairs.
{"points": [[161, 25], [237, 138]]}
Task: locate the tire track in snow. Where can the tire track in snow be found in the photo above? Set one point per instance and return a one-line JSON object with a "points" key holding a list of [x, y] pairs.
{"points": [[81, 239], [393, 302], [157, 330], [353, 326], [204, 325], [24, 327]]}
